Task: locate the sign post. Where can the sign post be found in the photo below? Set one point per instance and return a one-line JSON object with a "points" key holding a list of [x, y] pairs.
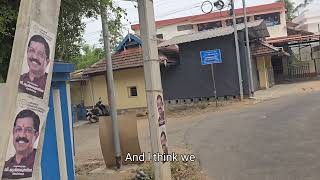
{"points": [[214, 84], [212, 57]]}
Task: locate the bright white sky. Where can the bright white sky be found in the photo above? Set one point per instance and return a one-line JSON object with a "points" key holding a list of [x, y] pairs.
{"points": [[164, 9]]}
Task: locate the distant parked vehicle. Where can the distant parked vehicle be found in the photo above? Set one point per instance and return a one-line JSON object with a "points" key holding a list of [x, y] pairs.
{"points": [[98, 110]]}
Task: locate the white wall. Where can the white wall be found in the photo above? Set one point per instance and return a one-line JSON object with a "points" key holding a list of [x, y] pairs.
{"points": [[171, 31], [309, 18], [305, 53], [279, 30], [314, 27]]}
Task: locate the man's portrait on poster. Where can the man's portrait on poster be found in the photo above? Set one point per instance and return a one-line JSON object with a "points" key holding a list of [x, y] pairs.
{"points": [[160, 107], [34, 81], [163, 140], [25, 133]]}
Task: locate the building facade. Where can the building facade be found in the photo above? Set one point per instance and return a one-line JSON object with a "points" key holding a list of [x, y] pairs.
{"points": [[273, 14], [309, 18], [190, 80], [89, 85]]}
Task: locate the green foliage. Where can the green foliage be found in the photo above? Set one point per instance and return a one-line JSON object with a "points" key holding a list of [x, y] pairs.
{"points": [[302, 5], [90, 56], [70, 29], [115, 28], [8, 16], [290, 9]]}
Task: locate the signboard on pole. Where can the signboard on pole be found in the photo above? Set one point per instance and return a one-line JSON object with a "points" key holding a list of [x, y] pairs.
{"points": [[211, 57]]}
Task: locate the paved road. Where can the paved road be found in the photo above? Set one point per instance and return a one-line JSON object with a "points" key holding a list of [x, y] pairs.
{"points": [[274, 140]]}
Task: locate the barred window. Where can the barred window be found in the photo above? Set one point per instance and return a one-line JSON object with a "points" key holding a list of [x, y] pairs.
{"points": [[133, 92], [209, 25], [271, 19], [185, 27]]}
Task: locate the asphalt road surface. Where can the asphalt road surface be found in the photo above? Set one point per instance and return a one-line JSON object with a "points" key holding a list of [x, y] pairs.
{"points": [[274, 140]]}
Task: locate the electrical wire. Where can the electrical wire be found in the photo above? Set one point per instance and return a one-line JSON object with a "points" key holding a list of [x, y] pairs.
{"points": [[180, 10]]}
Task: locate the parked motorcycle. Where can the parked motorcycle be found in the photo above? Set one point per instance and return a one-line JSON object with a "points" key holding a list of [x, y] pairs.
{"points": [[98, 110]]}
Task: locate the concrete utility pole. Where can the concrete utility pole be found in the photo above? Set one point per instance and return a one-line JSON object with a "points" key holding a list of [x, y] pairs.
{"points": [[110, 87], [46, 14], [249, 60], [153, 81], [318, 51], [236, 39]]}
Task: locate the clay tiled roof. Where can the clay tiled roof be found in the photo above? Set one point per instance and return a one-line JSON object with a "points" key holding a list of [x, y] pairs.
{"points": [[292, 30], [77, 75], [129, 58], [267, 8], [293, 39], [292, 24], [262, 48]]}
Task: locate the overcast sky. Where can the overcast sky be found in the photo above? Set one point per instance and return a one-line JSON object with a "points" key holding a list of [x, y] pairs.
{"points": [[164, 9]]}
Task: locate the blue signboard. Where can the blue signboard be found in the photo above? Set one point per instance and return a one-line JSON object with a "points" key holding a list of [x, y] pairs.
{"points": [[210, 57]]}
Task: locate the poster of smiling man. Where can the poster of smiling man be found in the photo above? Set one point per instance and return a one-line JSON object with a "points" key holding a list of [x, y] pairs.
{"points": [[36, 65], [160, 107], [23, 142]]}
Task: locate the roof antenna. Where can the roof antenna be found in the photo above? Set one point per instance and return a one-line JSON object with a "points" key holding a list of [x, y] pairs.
{"points": [[129, 30], [129, 35]]}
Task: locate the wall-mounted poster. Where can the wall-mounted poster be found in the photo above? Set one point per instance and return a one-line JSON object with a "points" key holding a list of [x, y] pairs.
{"points": [[164, 142], [160, 107], [23, 141], [35, 68]]}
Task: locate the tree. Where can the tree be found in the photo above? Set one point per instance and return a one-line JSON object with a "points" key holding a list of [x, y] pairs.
{"points": [[90, 56], [70, 28], [290, 9], [8, 16], [302, 5]]}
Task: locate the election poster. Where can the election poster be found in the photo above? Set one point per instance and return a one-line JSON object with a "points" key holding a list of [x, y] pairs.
{"points": [[161, 111], [36, 63], [23, 142]]}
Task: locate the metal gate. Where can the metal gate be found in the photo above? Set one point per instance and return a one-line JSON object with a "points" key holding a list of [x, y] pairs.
{"points": [[292, 72]]}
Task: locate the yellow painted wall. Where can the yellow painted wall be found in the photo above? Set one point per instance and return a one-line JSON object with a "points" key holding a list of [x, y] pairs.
{"points": [[127, 78], [75, 93], [96, 87], [89, 97], [99, 88], [263, 73], [268, 62]]}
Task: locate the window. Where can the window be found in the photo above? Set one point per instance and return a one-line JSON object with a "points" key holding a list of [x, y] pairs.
{"points": [[133, 92], [83, 83], [240, 20], [160, 36], [209, 25], [185, 27], [270, 19]]}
